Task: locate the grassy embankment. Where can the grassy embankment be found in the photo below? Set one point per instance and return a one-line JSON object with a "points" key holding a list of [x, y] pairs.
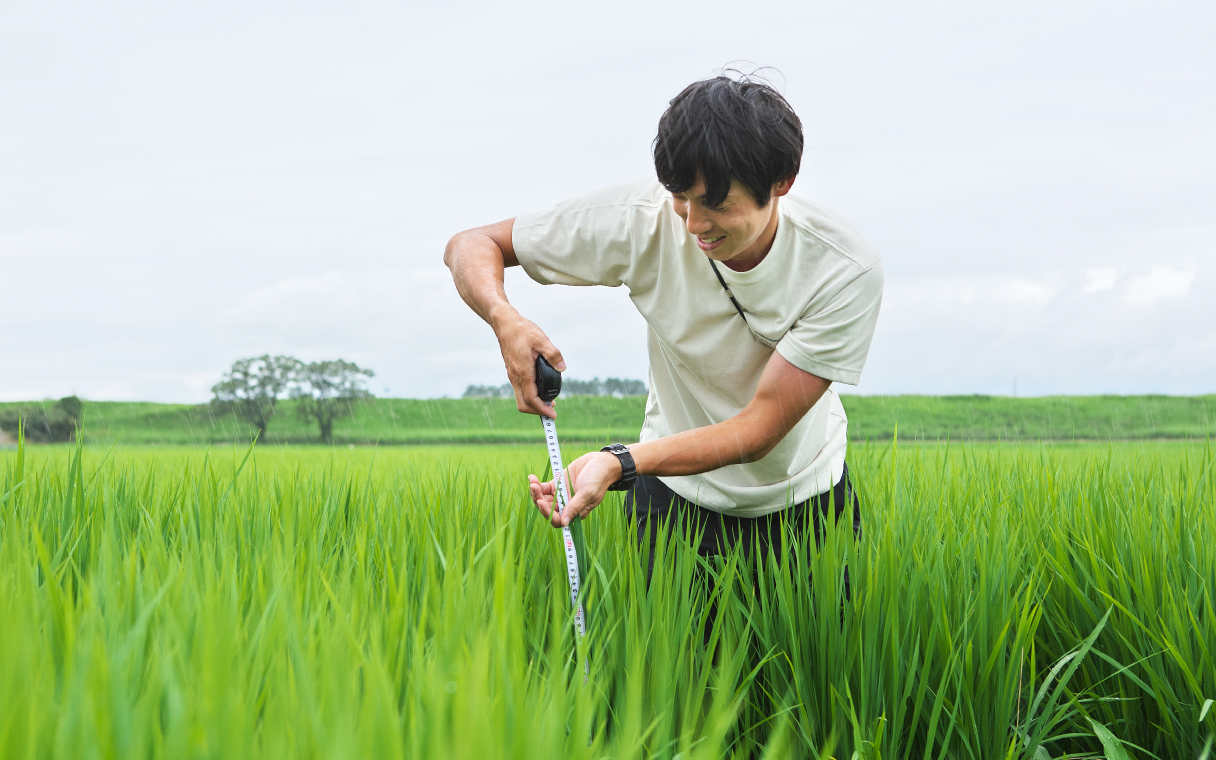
{"points": [[410, 421], [408, 602]]}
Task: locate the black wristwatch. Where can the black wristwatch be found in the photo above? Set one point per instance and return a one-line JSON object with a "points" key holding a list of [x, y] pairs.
{"points": [[629, 472]]}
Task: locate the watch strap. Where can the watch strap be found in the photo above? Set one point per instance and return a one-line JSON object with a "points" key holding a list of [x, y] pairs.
{"points": [[629, 471]]}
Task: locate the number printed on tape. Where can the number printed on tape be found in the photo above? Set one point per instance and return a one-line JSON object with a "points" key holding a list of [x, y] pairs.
{"points": [[562, 498]]}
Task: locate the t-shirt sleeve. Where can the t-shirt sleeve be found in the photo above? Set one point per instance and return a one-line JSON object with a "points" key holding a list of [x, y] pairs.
{"points": [[582, 241], [832, 337]]}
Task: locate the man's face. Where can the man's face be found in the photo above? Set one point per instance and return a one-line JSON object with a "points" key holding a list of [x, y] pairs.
{"points": [[738, 231]]}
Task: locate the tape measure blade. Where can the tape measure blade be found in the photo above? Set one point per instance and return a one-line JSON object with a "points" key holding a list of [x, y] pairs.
{"points": [[562, 498]]}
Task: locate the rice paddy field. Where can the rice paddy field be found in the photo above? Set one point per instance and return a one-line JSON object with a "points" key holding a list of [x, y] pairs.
{"points": [[1006, 601]]}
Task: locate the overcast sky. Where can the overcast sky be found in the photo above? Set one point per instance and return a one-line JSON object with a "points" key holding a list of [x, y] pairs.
{"points": [[185, 184]]}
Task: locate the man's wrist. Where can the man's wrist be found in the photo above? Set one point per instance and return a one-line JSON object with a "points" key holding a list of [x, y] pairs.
{"points": [[501, 316], [616, 471], [629, 470]]}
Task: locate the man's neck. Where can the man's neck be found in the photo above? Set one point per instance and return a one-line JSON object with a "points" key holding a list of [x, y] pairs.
{"points": [[751, 258]]}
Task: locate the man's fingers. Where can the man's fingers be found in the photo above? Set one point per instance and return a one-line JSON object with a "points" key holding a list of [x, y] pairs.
{"points": [[527, 382], [541, 408], [532, 404], [535, 406], [545, 505], [547, 488], [541, 494], [527, 400]]}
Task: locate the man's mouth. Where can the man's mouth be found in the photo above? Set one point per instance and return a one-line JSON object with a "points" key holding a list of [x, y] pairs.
{"points": [[708, 244]]}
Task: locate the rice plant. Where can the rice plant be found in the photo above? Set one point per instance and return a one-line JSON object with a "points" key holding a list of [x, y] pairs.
{"points": [[1003, 602]]}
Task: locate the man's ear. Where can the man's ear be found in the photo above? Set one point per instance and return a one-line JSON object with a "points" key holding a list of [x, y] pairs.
{"points": [[782, 187]]}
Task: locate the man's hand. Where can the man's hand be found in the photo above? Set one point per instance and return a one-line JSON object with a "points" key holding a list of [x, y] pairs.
{"points": [[590, 475], [521, 341]]}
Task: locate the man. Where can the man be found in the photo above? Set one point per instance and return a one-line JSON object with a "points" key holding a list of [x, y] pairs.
{"points": [[756, 302]]}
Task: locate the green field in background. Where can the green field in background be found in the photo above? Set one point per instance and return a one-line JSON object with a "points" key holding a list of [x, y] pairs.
{"points": [[602, 419], [988, 418], [404, 602]]}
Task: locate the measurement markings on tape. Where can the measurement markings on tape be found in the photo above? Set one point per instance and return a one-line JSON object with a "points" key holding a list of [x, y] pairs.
{"points": [[548, 388], [561, 499]]}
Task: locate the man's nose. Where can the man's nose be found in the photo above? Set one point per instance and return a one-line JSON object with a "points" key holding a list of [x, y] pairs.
{"points": [[697, 222]]}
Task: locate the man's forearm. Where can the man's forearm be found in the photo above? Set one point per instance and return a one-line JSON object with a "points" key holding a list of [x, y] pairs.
{"points": [[734, 441], [477, 265]]}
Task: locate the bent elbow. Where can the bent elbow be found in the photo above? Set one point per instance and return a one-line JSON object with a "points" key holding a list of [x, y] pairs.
{"points": [[761, 451], [449, 251], [768, 441], [753, 441]]}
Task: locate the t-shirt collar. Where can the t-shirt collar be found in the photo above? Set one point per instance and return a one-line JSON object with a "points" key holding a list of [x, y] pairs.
{"points": [[772, 262]]}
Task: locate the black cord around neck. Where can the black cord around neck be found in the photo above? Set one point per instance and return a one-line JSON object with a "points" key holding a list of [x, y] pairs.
{"points": [[729, 294]]}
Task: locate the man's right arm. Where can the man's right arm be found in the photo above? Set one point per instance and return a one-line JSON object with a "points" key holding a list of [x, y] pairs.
{"points": [[477, 259]]}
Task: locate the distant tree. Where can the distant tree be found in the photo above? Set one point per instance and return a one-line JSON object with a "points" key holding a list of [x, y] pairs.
{"points": [[252, 388], [613, 386], [572, 387], [326, 391], [489, 391], [70, 409], [58, 425]]}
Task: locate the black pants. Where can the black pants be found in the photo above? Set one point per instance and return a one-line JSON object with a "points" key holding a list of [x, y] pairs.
{"points": [[652, 502]]}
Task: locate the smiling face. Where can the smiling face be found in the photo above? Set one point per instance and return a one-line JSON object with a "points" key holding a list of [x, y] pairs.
{"points": [[738, 233]]}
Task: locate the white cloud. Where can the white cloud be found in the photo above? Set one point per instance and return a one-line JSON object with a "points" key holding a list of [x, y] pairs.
{"points": [[334, 303], [1069, 338], [948, 292], [1098, 280], [1157, 284]]}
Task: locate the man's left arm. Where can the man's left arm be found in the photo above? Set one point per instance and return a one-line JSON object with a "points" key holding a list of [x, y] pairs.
{"points": [[783, 397]]}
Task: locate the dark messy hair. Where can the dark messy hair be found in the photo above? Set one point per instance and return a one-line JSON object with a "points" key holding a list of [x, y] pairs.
{"points": [[727, 128]]}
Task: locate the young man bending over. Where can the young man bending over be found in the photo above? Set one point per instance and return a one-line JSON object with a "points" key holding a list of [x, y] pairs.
{"points": [[756, 302]]}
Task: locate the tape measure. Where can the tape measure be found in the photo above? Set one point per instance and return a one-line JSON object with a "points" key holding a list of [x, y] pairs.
{"points": [[548, 386]]}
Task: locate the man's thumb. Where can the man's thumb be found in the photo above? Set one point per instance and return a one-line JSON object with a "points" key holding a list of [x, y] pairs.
{"points": [[554, 357], [572, 509]]}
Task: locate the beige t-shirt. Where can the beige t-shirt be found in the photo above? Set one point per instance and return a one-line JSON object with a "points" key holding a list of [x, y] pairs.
{"points": [[816, 295]]}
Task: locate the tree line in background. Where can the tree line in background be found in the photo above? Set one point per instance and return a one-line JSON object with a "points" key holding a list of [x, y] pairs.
{"points": [[613, 386], [55, 425], [325, 390]]}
